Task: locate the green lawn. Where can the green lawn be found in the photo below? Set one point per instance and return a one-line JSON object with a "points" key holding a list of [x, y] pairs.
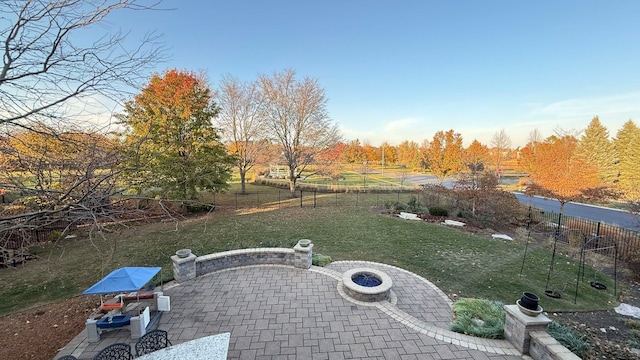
{"points": [[266, 196], [470, 266]]}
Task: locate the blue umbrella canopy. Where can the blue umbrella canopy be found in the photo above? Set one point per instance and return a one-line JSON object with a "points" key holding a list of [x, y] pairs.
{"points": [[123, 280]]}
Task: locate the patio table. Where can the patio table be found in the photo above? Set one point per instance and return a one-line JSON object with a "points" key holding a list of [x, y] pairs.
{"points": [[212, 347]]}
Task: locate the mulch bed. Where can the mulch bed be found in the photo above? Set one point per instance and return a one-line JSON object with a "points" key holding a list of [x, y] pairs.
{"points": [[40, 332]]}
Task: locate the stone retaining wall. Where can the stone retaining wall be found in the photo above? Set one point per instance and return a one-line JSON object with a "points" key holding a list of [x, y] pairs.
{"points": [[545, 347], [187, 268], [529, 335], [234, 258]]}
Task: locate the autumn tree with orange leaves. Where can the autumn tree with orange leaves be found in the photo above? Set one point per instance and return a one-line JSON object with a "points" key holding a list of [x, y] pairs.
{"points": [[476, 156], [369, 153], [443, 154], [557, 170], [171, 141], [409, 154], [329, 161], [354, 152], [65, 177], [68, 170]]}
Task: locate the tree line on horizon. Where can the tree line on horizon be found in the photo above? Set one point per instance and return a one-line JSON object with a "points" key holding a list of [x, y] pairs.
{"points": [[568, 165], [181, 137]]}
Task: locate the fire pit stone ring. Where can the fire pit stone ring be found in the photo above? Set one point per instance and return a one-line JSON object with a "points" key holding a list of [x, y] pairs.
{"points": [[376, 285]]}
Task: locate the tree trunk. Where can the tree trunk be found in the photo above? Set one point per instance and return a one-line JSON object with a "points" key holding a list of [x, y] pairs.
{"points": [[243, 174], [560, 218], [183, 188], [292, 182], [473, 206]]}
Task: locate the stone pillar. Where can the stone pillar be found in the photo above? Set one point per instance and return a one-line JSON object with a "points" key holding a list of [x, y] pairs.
{"points": [[93, 334], [184, 269], [518, 326], [137, 327], [303, 254]]}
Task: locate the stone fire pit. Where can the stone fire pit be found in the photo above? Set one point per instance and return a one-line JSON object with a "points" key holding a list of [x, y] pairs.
{"points": [[368, 285]]}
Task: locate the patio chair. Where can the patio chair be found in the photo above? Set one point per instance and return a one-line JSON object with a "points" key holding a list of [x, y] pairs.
{"points": [[152, 341], [68, 357], [117, 351]]}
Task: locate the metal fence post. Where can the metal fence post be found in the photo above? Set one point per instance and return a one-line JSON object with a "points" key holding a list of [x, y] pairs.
{"points": [[300, 197], [314, 198], [258, 198], [236, 200], [558, 228]]}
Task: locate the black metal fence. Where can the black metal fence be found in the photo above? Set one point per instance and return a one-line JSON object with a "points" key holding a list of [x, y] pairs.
{"points": [[311, 198], [21, 238], [585, 234]]}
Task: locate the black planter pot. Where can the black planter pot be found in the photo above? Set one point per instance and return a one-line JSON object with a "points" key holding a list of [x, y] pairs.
{"points": [[529, 301]]}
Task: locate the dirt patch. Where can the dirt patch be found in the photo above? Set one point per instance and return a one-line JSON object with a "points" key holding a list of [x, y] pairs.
{"points": [[39, 333], [609, 333]]}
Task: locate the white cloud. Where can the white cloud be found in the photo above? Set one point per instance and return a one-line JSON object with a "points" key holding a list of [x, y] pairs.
{"points": [[591, 106], [402, 125], [613, 111]]}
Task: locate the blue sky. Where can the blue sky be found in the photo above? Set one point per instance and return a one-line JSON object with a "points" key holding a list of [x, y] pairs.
{"points": [[403, 70]]}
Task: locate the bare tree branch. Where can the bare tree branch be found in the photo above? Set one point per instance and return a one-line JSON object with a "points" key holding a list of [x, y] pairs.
{"points": [[45, 63], [242, 121], [298, 119]]}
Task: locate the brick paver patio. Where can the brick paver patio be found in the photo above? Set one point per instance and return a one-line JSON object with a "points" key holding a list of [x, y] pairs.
{"points": [[281, 312]]}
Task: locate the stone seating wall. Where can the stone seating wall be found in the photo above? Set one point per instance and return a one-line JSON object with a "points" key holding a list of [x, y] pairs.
{"points": [[244, 257], [187, 268]]}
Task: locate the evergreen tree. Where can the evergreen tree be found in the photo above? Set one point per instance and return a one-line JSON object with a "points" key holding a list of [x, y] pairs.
{"points": [[597, 149], [627, 144]]}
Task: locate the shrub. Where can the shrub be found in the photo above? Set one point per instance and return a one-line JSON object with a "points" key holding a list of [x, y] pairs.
{"points": [[438, 211], [197, 207], [437, 195], [55, 236], [479, 317], [320, 260], [396, 206], [632, 261], [413, 203], [567, 337]]}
